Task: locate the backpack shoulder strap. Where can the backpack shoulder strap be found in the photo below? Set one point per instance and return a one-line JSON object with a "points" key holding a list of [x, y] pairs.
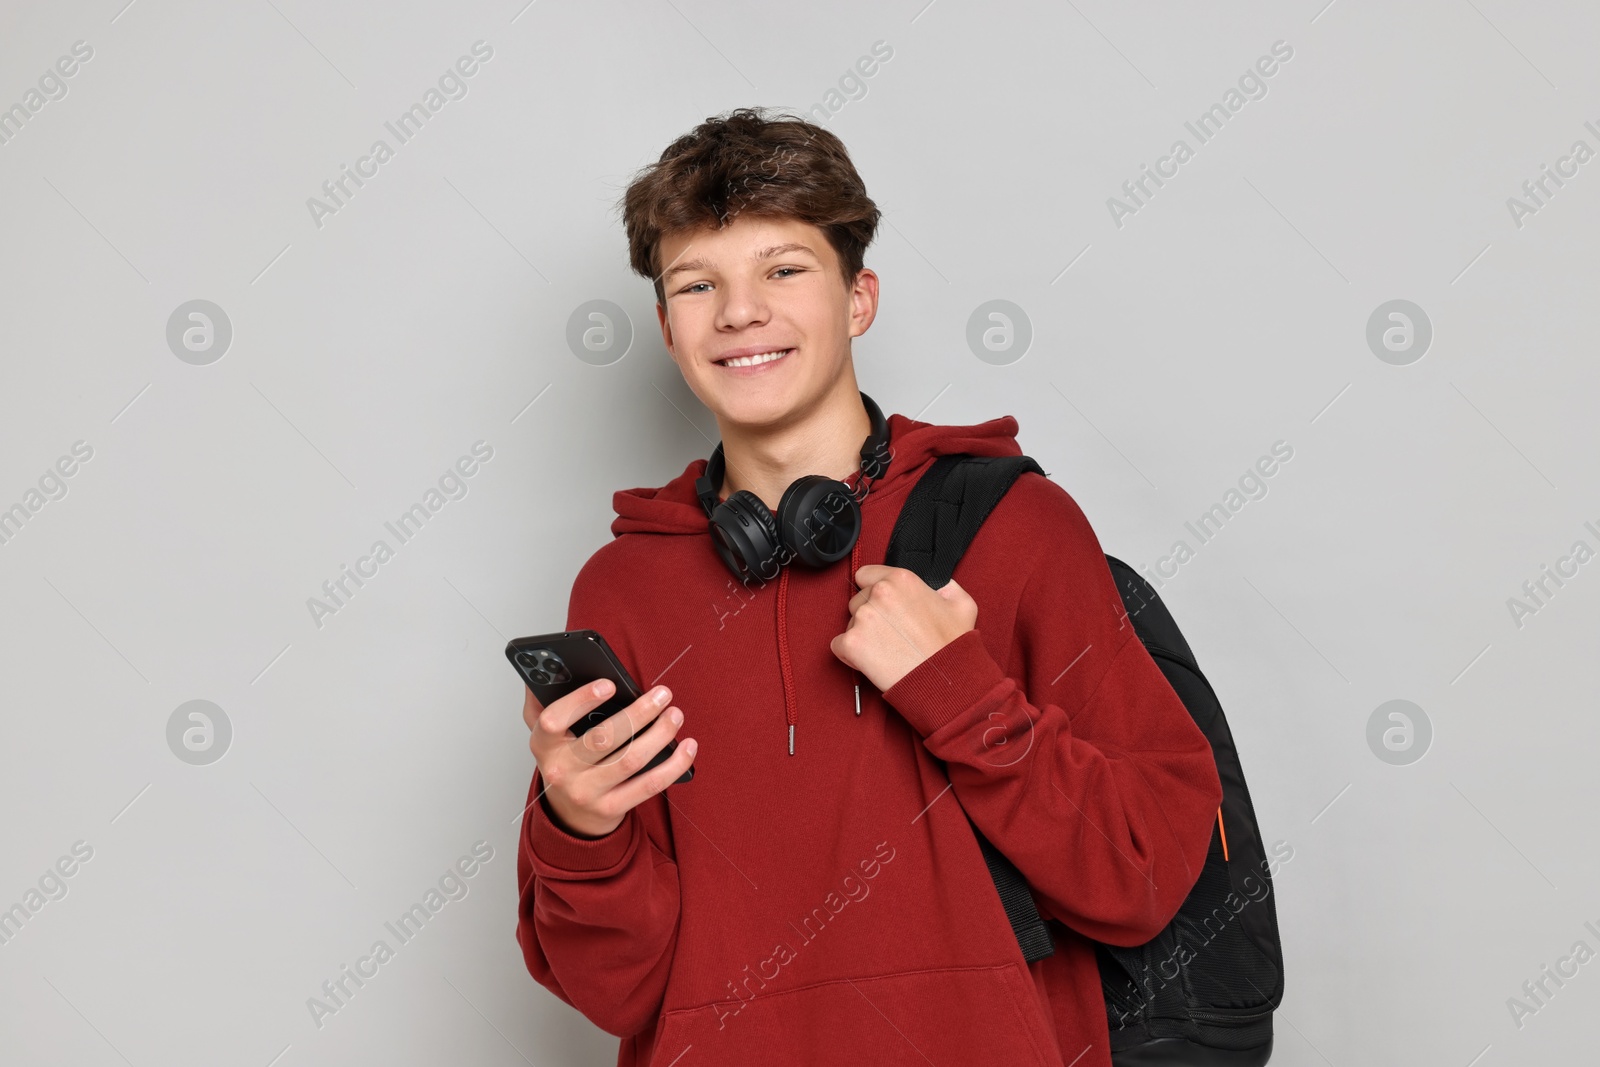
{"points": [[936, 525], [945, 510]]}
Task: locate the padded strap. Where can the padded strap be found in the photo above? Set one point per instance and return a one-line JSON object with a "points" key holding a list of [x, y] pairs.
{"points": [[945, 510], [937, 523]]}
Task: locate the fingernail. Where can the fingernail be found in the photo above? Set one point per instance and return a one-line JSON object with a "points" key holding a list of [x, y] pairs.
{"points": [[676, 716], [660, 695]]}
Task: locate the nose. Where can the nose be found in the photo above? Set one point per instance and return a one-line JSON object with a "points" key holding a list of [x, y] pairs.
{"points": [[741, 306]]}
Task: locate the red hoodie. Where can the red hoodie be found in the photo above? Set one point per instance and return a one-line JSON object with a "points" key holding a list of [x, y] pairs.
{"points": [[832, 905]]}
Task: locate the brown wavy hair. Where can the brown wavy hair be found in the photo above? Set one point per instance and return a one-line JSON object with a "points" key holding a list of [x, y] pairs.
{"points": [[745, 161]]}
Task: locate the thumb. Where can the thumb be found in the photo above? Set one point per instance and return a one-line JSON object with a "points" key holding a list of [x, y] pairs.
{"points": [[837, 647]]}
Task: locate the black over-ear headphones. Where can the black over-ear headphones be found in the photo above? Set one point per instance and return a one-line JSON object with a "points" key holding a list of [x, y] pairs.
{"points": [[818, 519]]}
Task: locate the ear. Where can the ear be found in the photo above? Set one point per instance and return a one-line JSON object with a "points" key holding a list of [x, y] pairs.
{"points": [[666, 330], [863, 302]]}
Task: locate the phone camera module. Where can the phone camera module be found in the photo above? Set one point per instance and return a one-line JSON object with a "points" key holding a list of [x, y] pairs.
{"points": [[544, 666]]}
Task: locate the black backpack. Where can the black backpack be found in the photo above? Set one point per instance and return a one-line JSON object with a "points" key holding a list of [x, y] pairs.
{"points": [[1201, 992]]}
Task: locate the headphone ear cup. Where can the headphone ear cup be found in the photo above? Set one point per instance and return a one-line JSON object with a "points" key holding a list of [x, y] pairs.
{"points": [[819, 520], [746, 537]]}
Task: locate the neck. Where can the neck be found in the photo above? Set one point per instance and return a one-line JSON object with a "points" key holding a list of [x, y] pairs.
{"points": [[824, 440]]}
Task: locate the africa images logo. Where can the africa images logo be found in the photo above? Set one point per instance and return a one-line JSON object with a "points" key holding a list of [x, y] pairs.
{"points": [[453, 485], [1210, 122], [452, 85]]}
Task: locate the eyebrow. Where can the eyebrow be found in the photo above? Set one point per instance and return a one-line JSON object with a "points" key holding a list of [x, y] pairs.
{"points": [[764, 253]]}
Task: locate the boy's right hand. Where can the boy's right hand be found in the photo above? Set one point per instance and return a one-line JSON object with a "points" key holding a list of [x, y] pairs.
{"points": [[586, 783]]}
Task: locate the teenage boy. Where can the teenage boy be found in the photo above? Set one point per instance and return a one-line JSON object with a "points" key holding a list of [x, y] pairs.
{"points": [[815, 894]]}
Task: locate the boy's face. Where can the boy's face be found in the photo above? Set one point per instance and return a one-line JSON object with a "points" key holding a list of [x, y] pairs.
{"points": [[761, 285]]}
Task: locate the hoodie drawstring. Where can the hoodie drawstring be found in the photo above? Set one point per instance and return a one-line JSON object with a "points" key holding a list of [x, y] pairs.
{"points": [[855, 565], [791, 704]]}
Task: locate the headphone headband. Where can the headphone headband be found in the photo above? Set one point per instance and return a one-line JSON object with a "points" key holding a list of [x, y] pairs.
{"points": [[875, 451], [874, 458]]}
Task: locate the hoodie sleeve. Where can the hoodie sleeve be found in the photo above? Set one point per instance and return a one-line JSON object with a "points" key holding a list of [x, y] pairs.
{"points": [[598, 917], [1089, 775]]}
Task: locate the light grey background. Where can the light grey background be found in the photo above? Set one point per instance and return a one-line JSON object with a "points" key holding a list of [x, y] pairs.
{"points": [[1167, 354]]}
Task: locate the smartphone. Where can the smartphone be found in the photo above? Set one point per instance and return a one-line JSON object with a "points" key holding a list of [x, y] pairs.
{"points": [[553, 665]]}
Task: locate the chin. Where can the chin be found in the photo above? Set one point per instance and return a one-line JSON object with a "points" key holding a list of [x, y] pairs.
{"points": [[756, 410]]}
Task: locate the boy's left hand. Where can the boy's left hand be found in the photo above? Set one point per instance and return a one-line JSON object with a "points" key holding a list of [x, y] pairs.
{"points": [[897, 622]]}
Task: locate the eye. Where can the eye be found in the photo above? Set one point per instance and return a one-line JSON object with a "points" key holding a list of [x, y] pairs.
{"points": [[693, 287], [780, 270]]}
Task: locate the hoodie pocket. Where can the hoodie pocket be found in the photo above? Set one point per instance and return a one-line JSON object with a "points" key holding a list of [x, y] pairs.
{"points": [[955, 1015]]}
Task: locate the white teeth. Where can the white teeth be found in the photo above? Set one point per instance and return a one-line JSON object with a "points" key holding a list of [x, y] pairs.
{"points": [[751, 361]]}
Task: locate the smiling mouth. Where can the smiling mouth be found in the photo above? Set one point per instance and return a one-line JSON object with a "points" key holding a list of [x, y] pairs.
{"points": [[756, 360]]}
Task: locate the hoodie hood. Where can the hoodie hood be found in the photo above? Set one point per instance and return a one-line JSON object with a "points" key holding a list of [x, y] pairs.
{"points": [[673, 508]]}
